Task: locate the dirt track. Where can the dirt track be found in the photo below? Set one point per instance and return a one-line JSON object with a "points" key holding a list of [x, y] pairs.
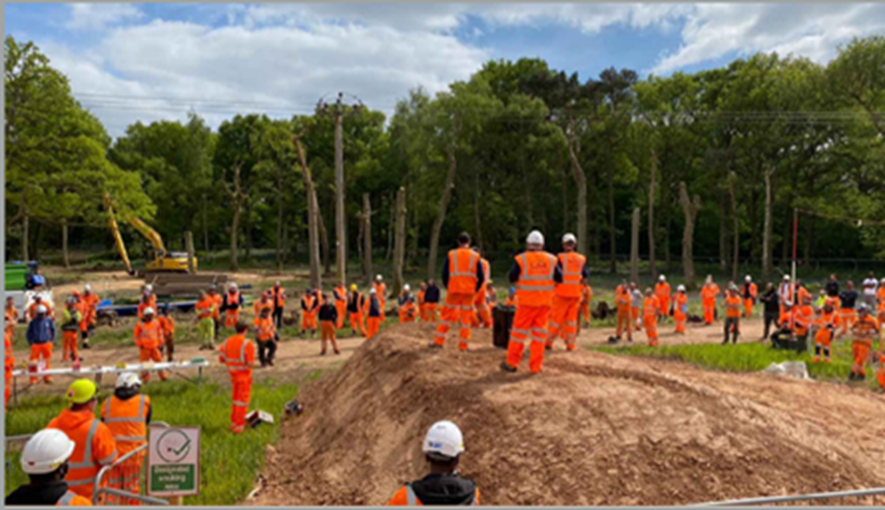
{"points": [[591, 429]]}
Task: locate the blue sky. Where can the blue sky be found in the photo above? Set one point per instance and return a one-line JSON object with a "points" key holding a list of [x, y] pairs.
{"points": [[145, 62]]}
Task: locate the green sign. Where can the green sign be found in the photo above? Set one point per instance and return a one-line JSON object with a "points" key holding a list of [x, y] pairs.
{"points": [[173, 478], [173, 461]]}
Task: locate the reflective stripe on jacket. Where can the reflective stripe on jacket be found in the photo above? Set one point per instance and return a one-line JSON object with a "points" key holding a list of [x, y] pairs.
{"points": [[127, 420], [535, 284], [572, 266]]}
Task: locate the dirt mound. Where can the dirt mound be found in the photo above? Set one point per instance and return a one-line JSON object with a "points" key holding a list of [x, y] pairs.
{"points": [[590, 430]]}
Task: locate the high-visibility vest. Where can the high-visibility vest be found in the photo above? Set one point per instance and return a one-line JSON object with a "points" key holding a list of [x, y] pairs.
{"points": [[127, 420], [340, 294], [623, 298], [709, 292], [662, 290], [733, 307], [233, 301], [535, 285], [680, 305], [308, 301], [803, 318], [572, 273], [238, 353], [265, 328], [462, 271], [88, 436], [864, 330], [150, 303], [278, 297], [650, 307], [206, 308], [148, 335], [259, 306], [381, 291], [73, 499]]}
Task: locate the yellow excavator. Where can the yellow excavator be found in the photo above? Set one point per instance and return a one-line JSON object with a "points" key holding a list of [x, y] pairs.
{"points": [[164, 262]]}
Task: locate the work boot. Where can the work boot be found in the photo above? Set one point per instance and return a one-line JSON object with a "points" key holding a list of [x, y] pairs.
{"points": [[725, 342], [337, 352], [507, 368], [434, 345], [322, 353], [734, 340], [270, 362]]}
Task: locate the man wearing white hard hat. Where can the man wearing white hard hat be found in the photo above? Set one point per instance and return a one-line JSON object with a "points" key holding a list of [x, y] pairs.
{"points": [[663, 293], [749, 293], [442, 447], [41, 337], [535, 273], [567, 294], [381, 289], [785, 292], [680, 309], [462, 276], [148, 337], [127, 413], [405, 305], [231, 304], [45, 460]]}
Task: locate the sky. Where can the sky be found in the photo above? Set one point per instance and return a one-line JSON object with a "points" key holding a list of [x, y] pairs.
{"points": [[146, 62]]}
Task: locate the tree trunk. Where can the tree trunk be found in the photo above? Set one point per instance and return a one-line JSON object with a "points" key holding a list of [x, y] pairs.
{"points": [[399, 253], [64, 244], [234, 229], [634, 247], [723, 233], [391, 227], [367, 232], [26, 221], [340, 234], [205, 226], [189, 247], [766, 232], [247, 224], [324, 238], [612, 249], [652, 187], [436, 231], [312, 213], [581, 184], [736, 227], [280, 232], [690, 209], [809, 239]]}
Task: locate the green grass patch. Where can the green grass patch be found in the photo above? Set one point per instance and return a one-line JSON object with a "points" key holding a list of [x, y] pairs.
{"points": [[228, 463]]}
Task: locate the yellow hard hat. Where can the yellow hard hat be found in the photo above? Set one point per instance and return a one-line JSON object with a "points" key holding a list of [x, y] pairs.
{"points": [[352, 286], [81, 391]]}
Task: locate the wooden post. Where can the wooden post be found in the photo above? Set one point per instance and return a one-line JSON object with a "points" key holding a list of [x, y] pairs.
{"points": [[399, 251], [175, 501], [367, 237], [189, 246], [634, 247]]}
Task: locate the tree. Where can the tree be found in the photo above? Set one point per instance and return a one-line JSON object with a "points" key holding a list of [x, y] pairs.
{"points": [[690, 207]]}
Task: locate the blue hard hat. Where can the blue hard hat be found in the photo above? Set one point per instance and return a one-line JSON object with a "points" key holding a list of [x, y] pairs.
{"points": [[512, 290]]}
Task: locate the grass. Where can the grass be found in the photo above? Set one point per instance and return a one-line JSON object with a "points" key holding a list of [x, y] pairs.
{"points": [[228, 463], [746, 357]]}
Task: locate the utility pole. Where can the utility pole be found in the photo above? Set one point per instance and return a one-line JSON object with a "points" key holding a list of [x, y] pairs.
{"points": [[338, 111]]}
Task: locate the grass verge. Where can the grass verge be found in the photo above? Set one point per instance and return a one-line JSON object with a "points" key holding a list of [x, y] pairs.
{"points": [[228, 463]]}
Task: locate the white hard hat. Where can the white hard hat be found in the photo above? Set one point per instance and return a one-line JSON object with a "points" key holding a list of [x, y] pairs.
{"points": [[748, 278], [786, 277], [406, 287], [87, 287], [680, 288], [378, 277], [372, 291], [148, 311], [535, 237], [148, 287], [569, 238], [662, 278], [128, 380], [788, 304], [444, 438], [233, 285], [41, 309], [46, 451]]}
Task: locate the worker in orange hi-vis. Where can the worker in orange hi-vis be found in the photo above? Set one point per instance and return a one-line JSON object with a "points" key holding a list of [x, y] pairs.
{"points": [[419, 299], [355, 304], [463, 277], [511, 298], [405, 306], [231, 304], [146, 300], [749, 293], [709, 293], [339, 294], [636, 306], [535, 273], [89, 310], [826, 330], [149, 337], [431, 300], [267, 337], [802, 294], [167, 324], [8, 358], [880, 302], [10, 310], [328, 315], [372, 312], [127, 414], [865, 330], [71, 319], [482, 313], [732, 315], [651, 309], [238, 353], [381, 290], [31, 313], [680, 308], [41, 337], [310, 305], [662, 291], [624, 301], [848, 300], [219, 301], [263, 303], [586, 298], [563, 321], [206, 309], [785, 293], [45, 459], [278, 299]]}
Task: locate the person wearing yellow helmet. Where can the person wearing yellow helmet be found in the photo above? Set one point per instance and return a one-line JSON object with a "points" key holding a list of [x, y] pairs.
{"points": [[94, 444], [45, 459]]}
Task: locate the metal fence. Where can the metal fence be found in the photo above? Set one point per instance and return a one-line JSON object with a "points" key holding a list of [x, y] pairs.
{"points": [[866, 497]]}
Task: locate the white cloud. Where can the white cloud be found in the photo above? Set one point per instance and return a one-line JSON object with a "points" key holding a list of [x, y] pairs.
{"points": [[99, 16]]}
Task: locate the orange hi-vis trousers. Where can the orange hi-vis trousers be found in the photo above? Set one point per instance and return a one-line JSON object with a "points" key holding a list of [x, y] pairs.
{"points": [[44, 352], [860, 349], [242, 392], [308, 320], [150, 354], [709, 311], [564, 321], [373, 324], [69, 344], [327, 330], [748, 308], [231, 318], [530, 322], [429, 312], [341, 308], [458, 308], [848, 316], [680, 321], [664, 306], [651, 330], [624, 318], [356, 322]]}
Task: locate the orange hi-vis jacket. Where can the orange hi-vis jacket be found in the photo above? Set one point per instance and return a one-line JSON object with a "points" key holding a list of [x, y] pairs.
{"points": [[586, 293], [733, 307], [167, 325], [680, 305], [259, 306], [265, 328], [865, 330], [662, 291], [624, 298], [94, 448], [142, 304], [32, 310], [880, 295], [650, 307], [206, 307], [308, 303], [709, 292], [800, 318], [572, 265], [278, 297], [238, 353], [536, 284], [148, 335], [462, 271], [340, 295], [127, 420], [828, 322]]}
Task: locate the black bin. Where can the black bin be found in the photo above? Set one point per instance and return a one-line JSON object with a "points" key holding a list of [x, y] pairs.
{"points": [[503, 319]]}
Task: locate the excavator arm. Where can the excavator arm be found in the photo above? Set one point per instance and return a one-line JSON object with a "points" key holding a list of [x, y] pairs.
{"points": [[150, 234], [118, 239]]}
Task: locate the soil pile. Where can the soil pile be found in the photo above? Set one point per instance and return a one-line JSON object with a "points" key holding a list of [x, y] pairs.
{"points": [[591, 429]]}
